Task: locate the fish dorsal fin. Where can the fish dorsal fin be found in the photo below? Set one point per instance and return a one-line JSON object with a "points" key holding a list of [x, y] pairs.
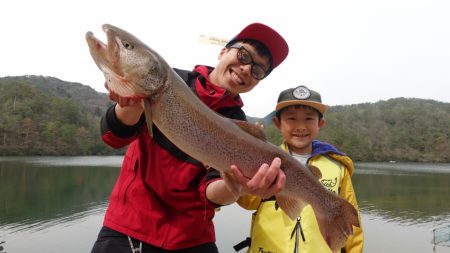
{"points": [[315, 171], [148, 116], [250, 128], [291, 206]]}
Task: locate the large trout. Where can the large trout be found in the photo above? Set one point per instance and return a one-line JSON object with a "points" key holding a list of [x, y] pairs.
{"points": [[132, 69]]}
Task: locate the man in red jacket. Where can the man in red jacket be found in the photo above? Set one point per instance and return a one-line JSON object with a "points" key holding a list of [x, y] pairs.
{"points": [[164, 200]]}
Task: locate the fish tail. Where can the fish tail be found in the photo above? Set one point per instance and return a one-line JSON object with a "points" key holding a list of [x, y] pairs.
{"points": [[336, 224]]}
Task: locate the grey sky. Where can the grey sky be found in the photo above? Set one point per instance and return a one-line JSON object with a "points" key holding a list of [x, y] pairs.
{"points": [[350, 51]]}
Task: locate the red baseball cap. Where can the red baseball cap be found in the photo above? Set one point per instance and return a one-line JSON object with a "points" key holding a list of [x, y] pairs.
{"points": [[277, 46]]}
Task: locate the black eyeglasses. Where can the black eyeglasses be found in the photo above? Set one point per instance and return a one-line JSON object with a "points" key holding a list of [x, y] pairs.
{"points": [[244, 57]]}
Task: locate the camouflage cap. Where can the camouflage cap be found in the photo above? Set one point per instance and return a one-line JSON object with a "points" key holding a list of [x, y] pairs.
{"points": [[300, 95]]}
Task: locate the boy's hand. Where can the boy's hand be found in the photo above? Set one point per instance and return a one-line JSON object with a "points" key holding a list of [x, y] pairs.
{"points": [[268, 180]]}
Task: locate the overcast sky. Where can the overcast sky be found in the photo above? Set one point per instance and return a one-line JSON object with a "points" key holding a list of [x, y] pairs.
{"points": [[350, 51]]}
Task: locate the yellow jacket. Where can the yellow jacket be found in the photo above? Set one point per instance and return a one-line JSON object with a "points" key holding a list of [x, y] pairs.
{"points": [[273, 231]]}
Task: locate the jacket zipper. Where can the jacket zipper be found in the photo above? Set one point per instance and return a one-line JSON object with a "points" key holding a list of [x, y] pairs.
{"points": [[297, 230]]}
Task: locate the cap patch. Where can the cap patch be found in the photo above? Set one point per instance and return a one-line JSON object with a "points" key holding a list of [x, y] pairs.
{"points": [[301, 92]]}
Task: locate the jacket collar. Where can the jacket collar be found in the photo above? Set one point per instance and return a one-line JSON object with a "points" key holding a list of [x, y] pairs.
{"points": [[323, 148], [318, 148], [212, 95]]}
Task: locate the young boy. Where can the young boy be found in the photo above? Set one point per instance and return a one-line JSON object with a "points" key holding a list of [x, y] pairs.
{"points": [[164, 200], [299, 117]]}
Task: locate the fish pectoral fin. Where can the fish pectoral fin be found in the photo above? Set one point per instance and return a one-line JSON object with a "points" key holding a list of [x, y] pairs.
{"points": [[315, 171], [251, 129], [291, 206], [148, 116]]}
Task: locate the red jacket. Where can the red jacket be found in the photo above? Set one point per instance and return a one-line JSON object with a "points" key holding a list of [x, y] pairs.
{"points": [[159, 199]]}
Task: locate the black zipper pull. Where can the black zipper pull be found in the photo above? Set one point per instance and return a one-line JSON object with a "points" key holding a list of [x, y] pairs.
{"points": [[297, 230], [301, 229]]}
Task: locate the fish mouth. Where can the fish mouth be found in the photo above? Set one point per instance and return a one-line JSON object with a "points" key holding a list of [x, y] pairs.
{"points": [[105, 55]]}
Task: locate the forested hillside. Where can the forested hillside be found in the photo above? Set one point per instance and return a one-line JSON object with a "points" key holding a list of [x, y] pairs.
{"points": [[47, 116]]}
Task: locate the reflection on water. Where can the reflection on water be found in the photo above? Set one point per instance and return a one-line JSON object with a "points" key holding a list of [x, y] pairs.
{"points": [[44, 201], [407, 194], [35, 194], [36, 225], [78, 161]]}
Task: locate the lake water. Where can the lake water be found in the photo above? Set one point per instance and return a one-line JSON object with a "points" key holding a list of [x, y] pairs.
{"points": [[56, 204]]}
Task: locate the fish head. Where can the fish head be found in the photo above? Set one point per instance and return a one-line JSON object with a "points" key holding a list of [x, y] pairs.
{"points": [[131, 68]]}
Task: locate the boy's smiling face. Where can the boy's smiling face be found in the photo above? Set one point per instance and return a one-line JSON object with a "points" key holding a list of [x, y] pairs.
{"points": [[299, 126]]}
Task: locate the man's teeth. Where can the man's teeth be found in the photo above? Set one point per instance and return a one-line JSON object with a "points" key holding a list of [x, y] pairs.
{"points": [[236, 77]]}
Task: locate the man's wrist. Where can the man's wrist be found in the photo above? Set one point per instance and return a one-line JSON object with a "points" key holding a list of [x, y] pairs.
{"points": [[219, 193], [128, 115]]}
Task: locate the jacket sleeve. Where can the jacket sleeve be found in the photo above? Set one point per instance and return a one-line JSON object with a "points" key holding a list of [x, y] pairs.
{"points": [[354, 243], [115, 133]]}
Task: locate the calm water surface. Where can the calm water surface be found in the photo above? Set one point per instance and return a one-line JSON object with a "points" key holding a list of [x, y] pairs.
{"points": [[56, 204]]}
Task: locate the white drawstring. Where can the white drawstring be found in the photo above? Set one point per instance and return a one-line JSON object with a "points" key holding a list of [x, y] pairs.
{"points": [[133, 249]]}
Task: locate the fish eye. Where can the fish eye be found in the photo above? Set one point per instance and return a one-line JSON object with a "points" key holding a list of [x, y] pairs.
{"points": [[127, 45]]}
